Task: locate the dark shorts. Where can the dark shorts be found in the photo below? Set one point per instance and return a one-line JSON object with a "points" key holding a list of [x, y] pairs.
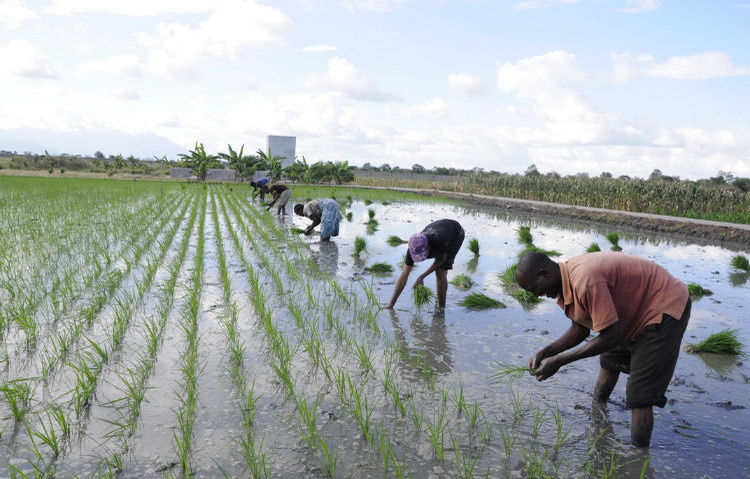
{"points": [[453, 248], [649, 360]]}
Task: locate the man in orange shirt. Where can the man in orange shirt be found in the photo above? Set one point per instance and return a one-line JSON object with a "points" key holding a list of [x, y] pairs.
{"points": [[640, 312]]}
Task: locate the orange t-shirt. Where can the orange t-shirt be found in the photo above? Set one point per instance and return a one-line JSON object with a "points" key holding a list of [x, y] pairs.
{"points": [[599, 289]]}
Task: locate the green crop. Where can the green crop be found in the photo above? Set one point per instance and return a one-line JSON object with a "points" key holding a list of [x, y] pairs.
{"points": [[524, 235], [360, 245], [395, 241], [524, 296], [480, 301], [380, 268], [593, 248], [422, 296], [694, 289], [740, 262], [463, 282], [474, 246], [724, 342]]}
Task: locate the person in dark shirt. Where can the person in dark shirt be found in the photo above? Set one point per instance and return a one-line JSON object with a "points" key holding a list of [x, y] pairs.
{"points": [[260, 186], [440, 240], [281, 194]]}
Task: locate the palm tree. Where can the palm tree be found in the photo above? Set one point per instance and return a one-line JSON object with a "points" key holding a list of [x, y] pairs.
{"points": [[272, 162], [119, 162], [199, 161]]}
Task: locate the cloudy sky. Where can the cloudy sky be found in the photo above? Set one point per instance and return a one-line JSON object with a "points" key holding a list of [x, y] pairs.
{"points": [[624, 86]]}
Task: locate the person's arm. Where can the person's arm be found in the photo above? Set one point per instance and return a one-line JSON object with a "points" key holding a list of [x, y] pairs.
{"points": [[607, 339], [439, 260], [275, 199], [572, 337], [400, 283], [316, 222]]}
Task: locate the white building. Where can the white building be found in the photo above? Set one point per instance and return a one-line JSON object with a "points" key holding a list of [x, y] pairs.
{"points": [[283, 146]]}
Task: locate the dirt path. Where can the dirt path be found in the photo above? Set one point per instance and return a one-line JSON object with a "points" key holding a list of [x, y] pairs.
{"points": [[728, 234]]}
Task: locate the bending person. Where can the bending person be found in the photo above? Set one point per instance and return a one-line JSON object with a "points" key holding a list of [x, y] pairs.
{"points": [[640, 312], [323, 211], [440, 240], [260, 186], [281, 194]]}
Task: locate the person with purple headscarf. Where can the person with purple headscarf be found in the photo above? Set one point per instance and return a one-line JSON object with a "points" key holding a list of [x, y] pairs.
{"points": [[440, 240]]}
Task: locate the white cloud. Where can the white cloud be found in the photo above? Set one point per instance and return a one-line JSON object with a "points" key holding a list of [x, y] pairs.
{"points": [[638, 6], [131, 7], [344, 77], [466, 84], [372, 5], [127, 64], [13, 13], [537, 4], [26, 60], [435, 107], [319, 48], [126, 94], [701, 66]]}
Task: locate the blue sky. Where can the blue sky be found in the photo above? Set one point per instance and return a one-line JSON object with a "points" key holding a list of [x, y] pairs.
{"points": [[624, 86]]}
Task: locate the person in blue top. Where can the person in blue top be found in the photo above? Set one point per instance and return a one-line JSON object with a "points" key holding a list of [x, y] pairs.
{"points": [[260, 186]]}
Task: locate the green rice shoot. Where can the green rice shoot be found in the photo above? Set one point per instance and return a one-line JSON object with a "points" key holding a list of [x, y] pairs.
{"points": [[360, 245], [724, 342], [524, 296], [531, 247], [694, 289], [502, 371], [462, 282], [480, 301], [741, 262], [508, 277], [296, 231], [524, 235], [349, 217], [593, 248], [614, 239], [422, 296], [474, 246], [395, 241], [380, 268], [371, 214]]}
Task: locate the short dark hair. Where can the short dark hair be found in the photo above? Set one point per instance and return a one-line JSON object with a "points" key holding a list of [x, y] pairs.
{"points": [[299, 208], [531, 262]]}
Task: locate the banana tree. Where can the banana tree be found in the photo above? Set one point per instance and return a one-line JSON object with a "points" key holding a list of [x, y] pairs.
{"points": [[199, 161], [298, 171], [272, 162]]}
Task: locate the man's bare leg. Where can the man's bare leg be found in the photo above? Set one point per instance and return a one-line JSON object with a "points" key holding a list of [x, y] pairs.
{"points": [[442, 286], [641, 426], [605, 383]]}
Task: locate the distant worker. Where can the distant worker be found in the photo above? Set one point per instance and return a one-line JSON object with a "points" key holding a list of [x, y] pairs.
{"points": [[323, 211], [440, 240], [281, 194], [640, 312], [260, 186]]}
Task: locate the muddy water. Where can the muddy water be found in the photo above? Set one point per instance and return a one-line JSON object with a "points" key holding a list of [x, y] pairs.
{"points": [[704, 431]]}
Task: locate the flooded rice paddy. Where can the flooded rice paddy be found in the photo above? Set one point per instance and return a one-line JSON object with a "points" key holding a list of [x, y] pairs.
{"points": [[210, 341]]}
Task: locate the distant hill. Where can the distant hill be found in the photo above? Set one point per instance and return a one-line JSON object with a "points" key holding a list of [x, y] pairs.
{"points": [[87, 142]]}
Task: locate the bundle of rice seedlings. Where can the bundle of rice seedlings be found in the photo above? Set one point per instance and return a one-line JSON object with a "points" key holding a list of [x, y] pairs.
{"points": [[531, 247], [524, 296], [593, 248], [694, 289], [524, 235], [395, 241], [614, 239], [474, 246], [480, 301], [502, 371], [723, 342], [380, 268], [371, 214], [421, 295], [462, 281], [295, 231], [386, 203], [741, 262], [349, 217], [368, 202], [509, 275], [360, 245]]}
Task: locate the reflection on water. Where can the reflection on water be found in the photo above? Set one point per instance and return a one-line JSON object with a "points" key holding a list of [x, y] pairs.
{"points": [[327, 257], [606, 454], [471, 265], [738, 278], [720, 364], [429, 348]]}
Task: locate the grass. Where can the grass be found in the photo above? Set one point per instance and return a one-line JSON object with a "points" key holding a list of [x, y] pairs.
{"points": [[422, 296], [501, 371], [480, 301], [740, 262], [380, 268], [462, 282], [531, 247], [593, 248], [508, 277], [696, 290], [360, 245], [614, 239], [524, 235], [525, 296], [296, 231], [724, 342], [395, 241], [474, 246]]}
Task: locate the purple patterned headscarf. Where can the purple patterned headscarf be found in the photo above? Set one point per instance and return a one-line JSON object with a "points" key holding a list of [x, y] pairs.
{"points": [[418, 249]]}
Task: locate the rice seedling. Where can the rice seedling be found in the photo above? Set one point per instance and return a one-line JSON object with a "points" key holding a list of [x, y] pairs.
{"points": [[349, 216], [531, 247], [371, 214], [360, 245], [501, 371], [17, 395], [480, 301], [593, 248], [525, 297], [740, 262], [296, 231], [395, 241], [614, 239], [368, 202], [724, 342], [462, 282], [696, 290], [508, 277], [474, 246], [524, 235], [436, 434], [422, 296], [380, 268]]}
